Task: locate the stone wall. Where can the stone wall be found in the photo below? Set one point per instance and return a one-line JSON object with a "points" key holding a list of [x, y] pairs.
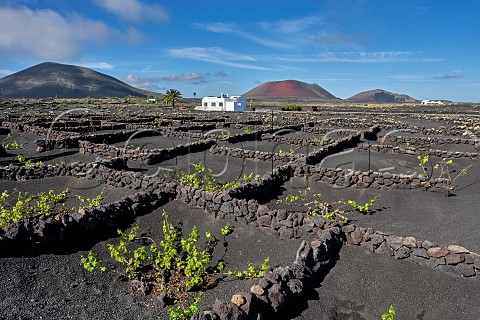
{"points": [[151, 192], [281, 285], [424, 141], [252, 154], [22, 173], [257, 134], [184, 134], [249, 190], [298, 141], [352, 123], [96, 171], [453, 260], [340, 145], [369, 179], [76, 224], [417, 151], [122, 179], [148, 156], [68, 141]]}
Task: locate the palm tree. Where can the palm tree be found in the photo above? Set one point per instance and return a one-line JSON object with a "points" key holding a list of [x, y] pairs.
{"points": [[171, 96]]}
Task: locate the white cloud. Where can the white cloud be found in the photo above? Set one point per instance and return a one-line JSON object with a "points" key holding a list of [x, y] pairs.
{"points": [[44, 34], [292, 25], [337, 38], [147, 83], [408, 77], [221, 74], [358, 57], [185, 77], [231, 28], [287, 34], [133, 36], [454, 75], [215, 55], [5, 72], [219, 27], [155, 83], [134, 10], [98, 65]]}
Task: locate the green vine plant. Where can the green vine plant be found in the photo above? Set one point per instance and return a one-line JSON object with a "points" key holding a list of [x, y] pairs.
{"points": [[28, 206], [202, 179], [14, 145], [291, 152], [91, 262], [445, 172], [316, 139], [363, 208], [87, 203], [184, 311], [289, 198], [223, 135], [45, 203], [132, 147], [28, 162], [54, 165], [227, 229], [176, 265], [390, 314], [315, 205], [252, 271]]}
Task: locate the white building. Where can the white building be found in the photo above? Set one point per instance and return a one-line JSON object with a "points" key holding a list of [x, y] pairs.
{"points": [[427, 102], [223, 103]]}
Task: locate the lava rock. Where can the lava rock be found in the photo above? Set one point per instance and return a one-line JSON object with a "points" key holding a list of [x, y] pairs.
{"points": [[227, 310], [437, 252]]}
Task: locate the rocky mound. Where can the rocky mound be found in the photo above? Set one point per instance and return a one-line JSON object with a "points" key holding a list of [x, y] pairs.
{"points": [[289, 88], [379, 95], [51, 79]]}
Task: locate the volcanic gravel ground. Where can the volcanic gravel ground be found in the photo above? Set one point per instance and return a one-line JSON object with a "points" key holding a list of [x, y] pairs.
{"points": [[55, 286], [452, 147], [155, 142], [271, 146], [29, 148], [425, 215], [362, 286], [385, 162], [224, 168]]}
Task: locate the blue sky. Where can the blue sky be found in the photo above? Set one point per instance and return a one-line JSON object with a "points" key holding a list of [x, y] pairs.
{"points": [[427, 49]]}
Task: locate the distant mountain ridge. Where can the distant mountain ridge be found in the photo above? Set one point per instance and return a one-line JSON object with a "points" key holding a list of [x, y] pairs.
{"points": [[379, 95], [50, 79], [289, 88]]}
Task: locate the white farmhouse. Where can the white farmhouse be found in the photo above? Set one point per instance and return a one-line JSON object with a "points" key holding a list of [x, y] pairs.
{"points": [[430, 102], [224, 102]]}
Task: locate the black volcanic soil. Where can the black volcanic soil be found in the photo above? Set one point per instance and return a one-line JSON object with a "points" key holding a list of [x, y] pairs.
{"points": [[55, 285], [362, 286]]}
